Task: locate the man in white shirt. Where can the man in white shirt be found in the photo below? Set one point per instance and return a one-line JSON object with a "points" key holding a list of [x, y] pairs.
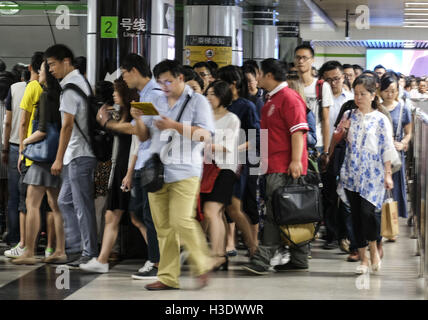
{"points": [[74, 159], [303, 60], [10, 155], [333, 74], [421, 92]]}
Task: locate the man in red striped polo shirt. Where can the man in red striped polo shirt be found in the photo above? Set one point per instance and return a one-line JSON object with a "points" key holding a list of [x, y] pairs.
{"points": [[284, 116]]}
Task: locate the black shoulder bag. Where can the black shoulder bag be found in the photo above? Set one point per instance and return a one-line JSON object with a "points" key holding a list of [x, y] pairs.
{"points": [[297, 210], [152, 174]]}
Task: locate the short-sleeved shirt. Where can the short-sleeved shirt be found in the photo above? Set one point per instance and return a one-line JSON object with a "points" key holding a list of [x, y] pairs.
{"points": [[227, 135], [72, 103], [369, 146], [283, 114], [311, 100], [184, 158], [29, 104], [337, 106], [13, 101], [150, 93]]}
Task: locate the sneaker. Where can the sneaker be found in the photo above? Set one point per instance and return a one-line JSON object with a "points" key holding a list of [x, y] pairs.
{"points": [[15, 252], [255, 268], [94, 266], [48, 252], [282, 256], [330, 245], [147, 267], [75, 264], [290, 267], [151, 274]]}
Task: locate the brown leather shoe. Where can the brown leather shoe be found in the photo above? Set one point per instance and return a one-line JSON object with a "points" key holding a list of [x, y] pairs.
{"points": [[353, 257], [159, 286]]}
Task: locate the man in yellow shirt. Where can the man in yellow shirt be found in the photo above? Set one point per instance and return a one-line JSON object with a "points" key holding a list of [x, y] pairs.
{"points": [[28, 105]]}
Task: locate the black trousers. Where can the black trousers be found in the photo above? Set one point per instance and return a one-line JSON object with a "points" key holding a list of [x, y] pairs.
{"points": [[365, 224]]}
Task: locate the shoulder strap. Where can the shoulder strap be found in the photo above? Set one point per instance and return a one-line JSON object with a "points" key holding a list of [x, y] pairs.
{"points": [[80, 92], [186, 102], [350, 113], [76, 88], [181, 112], [318, 89], [400, 118]]}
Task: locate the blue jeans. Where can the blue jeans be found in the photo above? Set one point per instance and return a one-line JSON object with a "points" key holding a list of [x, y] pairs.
{"points": [[76, 202], [13, 202], [139, 205]]}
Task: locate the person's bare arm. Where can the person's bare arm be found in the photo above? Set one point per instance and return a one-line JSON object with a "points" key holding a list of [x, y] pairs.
{"points": [[6, 137], [64, 139], [295, 168], [325, 127], [35, 137], [103, 118], [23, 129], [190, 132], [7, 129]]}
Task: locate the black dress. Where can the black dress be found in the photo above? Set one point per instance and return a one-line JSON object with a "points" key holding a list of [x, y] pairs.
{"points": [[117, 199]]}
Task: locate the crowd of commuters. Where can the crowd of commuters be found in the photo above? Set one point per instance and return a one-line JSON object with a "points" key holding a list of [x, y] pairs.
{"points": [[208, 134]]}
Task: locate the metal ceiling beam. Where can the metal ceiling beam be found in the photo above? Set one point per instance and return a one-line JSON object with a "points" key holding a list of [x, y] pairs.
{"points": [[319, 11]]}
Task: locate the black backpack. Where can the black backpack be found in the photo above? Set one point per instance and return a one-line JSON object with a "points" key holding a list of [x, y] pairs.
{"points": [[100, 140]]}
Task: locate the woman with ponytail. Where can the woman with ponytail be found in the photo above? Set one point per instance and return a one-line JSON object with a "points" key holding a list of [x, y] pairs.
{"points": [[366, 170]]}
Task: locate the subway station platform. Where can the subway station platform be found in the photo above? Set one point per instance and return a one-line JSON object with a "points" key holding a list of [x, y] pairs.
{"points": [[329, 277]]}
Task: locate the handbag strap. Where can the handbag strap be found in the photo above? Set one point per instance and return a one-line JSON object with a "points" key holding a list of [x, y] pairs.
{"points": [[400, 118], [186, 102]]}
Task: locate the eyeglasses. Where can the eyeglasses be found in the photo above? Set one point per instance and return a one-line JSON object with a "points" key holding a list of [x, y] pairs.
{"points": [[304, 58], [331, 80], [203, 74], [165, 83]]}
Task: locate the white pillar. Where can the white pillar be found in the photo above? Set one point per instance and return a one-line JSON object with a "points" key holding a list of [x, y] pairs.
{"points": [[91, 53]]}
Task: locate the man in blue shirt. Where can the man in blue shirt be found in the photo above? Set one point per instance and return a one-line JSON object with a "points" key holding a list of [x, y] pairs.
{"points": [[173, 206], [136, 73]]}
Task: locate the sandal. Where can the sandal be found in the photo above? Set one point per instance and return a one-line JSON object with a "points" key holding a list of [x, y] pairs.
{"points": [[362, 269]]}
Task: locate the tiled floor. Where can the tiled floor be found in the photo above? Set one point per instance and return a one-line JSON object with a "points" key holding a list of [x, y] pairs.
{"points": [[330, 277]]}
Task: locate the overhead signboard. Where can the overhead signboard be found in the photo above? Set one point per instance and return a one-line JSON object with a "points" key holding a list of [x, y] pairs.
{"points": [[208, 48]]}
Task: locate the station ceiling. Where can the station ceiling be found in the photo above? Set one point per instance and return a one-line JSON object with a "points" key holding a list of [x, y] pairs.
{"points": [[383, 13]]}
